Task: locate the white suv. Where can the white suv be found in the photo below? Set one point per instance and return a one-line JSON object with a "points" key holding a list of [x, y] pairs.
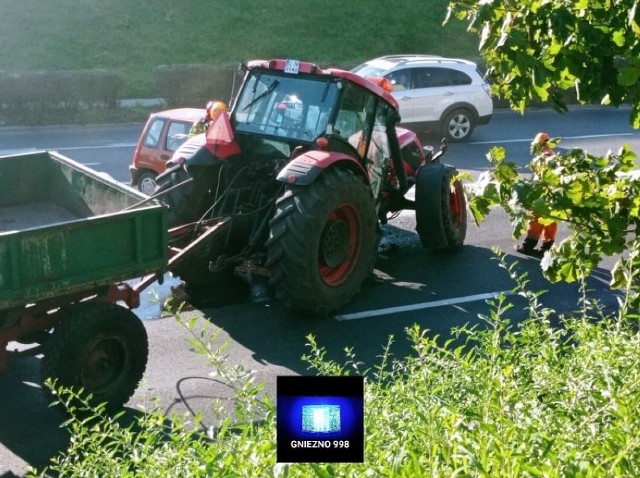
{"points": [[447, 94]]}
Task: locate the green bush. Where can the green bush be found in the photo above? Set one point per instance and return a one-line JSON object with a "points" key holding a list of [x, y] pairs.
{"points": [[73, 89], [194, 85], [507, 400], [49, 97]]}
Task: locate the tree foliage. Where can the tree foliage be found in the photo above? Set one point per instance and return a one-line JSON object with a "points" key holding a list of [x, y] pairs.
{"points": [[537, 49], [599, 198]]}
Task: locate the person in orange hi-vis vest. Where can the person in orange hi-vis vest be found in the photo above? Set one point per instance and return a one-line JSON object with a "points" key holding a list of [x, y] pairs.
{"points": [[535, 230]]}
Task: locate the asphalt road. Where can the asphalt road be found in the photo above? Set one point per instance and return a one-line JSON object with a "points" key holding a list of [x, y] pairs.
{"points": [[436, 291]]}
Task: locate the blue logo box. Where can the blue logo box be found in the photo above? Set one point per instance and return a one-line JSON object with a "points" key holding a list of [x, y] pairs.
{"points": [[320, 419]]}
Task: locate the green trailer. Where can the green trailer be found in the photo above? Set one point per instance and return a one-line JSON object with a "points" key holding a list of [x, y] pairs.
{"points": [[70, 238]]}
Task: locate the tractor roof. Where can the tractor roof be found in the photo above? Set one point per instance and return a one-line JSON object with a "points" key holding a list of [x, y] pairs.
{"points": [[313, 69]]}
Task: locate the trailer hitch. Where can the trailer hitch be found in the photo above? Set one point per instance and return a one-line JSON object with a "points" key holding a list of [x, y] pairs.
{"points": [[213, 227]]}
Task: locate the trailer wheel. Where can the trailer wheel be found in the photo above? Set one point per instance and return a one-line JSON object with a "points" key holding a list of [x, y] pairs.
{"points": [[100, 347], [441, 208], [323, 242]]}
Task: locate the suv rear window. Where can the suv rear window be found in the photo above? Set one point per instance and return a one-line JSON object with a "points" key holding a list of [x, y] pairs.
{"points": [[434, 77]]}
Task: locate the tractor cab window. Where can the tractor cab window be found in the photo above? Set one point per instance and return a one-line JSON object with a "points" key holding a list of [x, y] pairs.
{"points": [[354, 117], [290, 107], [379, 151], [363, 122]]}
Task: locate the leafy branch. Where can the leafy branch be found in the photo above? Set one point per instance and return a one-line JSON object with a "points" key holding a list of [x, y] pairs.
{"points": [[598, 197], [537, 50]]}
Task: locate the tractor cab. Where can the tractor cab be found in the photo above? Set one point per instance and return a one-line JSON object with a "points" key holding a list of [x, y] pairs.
{"points": [[299, 106]]}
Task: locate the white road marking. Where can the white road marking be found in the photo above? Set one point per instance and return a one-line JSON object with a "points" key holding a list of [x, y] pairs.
{"points": [[421, 305], [528, 140]]}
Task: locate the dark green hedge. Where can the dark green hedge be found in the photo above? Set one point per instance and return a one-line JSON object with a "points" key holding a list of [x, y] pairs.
{"points": [[67, 90], [194, 85], [80, 96]]}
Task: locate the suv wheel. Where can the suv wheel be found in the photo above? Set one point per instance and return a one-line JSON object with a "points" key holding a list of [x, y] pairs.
{"points": [[458, 125]]}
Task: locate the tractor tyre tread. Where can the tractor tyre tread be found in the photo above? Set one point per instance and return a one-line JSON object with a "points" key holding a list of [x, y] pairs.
{"points": [[436, 225], [293, 245]]}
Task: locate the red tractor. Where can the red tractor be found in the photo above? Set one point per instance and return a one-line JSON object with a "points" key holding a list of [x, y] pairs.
{"points": [[291, 185]]}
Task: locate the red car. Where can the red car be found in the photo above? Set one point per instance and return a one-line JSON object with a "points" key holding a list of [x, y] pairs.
{"points": [[163, 133]]}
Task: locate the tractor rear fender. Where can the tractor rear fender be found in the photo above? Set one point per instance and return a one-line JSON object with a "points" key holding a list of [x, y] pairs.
{"points": [[305, 168], [193, 152]]}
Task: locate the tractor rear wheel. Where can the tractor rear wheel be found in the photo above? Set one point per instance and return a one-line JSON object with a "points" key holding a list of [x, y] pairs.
{"points": [[99, 347], [323, 242], [441, 208]]}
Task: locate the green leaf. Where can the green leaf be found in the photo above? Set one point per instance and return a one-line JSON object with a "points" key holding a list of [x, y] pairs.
{"points": [[497, 154], [506, 172], [575, 191], [554, 48], [618, 275], [628, 75], [619, 37], [479, 207], [550, 177], [540, 206], [627, 158], [562, 269], [519, 228], [545, 221], [320, 471], [560, 214]]}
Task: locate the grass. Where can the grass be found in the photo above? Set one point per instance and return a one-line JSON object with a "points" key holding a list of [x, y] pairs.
{"points": [[136, 37]]}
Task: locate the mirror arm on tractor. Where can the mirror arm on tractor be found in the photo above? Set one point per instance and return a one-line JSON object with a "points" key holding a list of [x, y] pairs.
{"points": [[431, 158]]}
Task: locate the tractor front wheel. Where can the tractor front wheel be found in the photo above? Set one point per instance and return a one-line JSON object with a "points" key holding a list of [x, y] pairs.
{"points": [[189, 201], [323, 242], [441, 208]]}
